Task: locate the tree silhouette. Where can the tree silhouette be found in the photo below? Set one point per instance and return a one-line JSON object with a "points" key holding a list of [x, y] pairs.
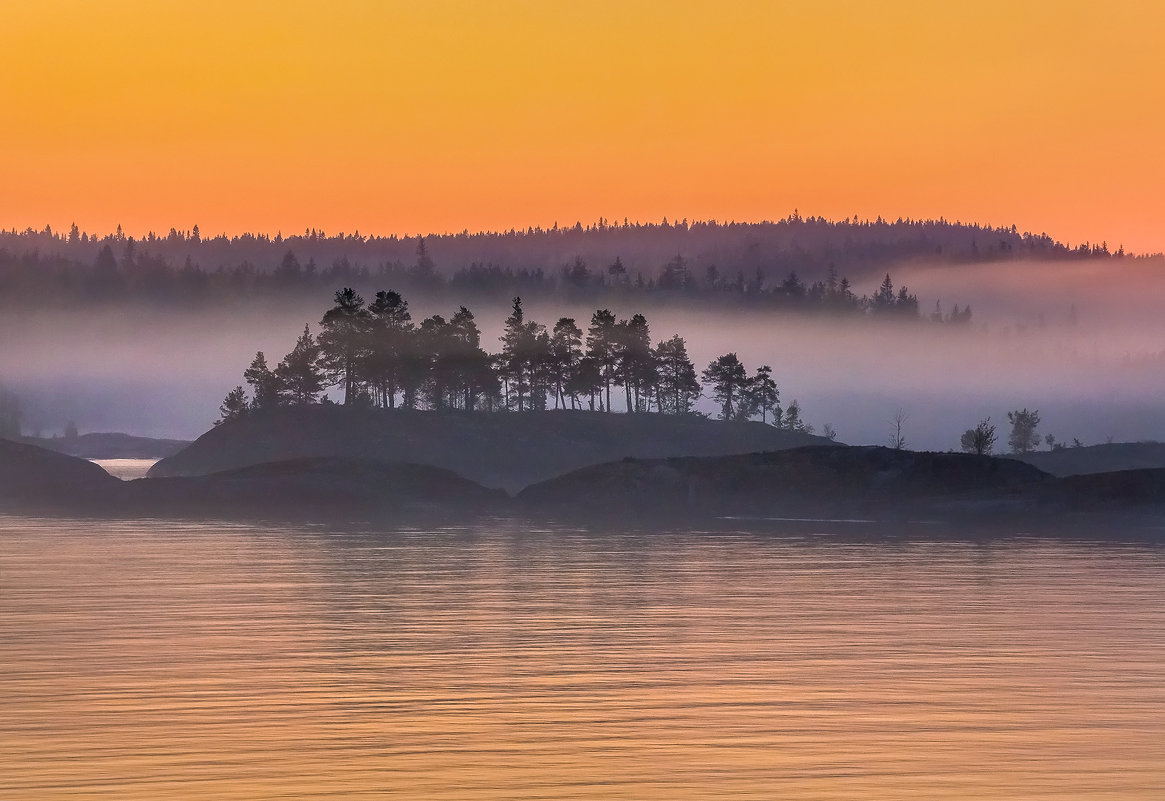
{"points": [[424, 271], [343, 341], [266, 386], [980, 439], [883, 300], [634, 360], [674, 274], [792, 420], [376, 354], [299, 372], [470, 369], [897, 434], [678, 387], [1023, 437], [617, 273], [587, 380], [390, 329], [525, 353], [233, 407], [729, 380], [434, 345], [763, 394], [603, 349], [566, 353]]}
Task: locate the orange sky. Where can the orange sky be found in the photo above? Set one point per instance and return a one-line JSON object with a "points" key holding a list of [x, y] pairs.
{"points": [[431, 116]]}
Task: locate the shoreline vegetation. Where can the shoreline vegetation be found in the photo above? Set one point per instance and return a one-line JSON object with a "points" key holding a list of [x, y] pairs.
{"points": [[379, 358]]}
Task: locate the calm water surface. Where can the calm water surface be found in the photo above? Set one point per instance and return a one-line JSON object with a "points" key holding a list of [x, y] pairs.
{"points": [[154, 660], [126, 469]]}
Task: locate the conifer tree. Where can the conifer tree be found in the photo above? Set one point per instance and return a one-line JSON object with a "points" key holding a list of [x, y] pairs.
{"points": [[729, 380], [233, 407], [602, 349], [677, 385], [266, 387], [390, 328], [763, 394], [299, 371], [566, 356], [343, 341]]}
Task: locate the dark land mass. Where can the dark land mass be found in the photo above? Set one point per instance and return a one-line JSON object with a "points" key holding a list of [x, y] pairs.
{"points": [[507, 451], [110, 446], [319, 489], [802, 482], [869, 483], [959, 494], [1098, 458], [36, 479]]}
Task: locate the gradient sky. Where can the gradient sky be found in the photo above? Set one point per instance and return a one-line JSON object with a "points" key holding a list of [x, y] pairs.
{"points": [[424, 116]]}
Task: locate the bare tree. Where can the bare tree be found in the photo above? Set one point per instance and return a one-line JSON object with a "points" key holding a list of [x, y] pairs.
{"points": [[897, 423]]}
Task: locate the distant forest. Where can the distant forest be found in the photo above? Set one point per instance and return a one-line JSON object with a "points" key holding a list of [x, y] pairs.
{"points": [[795, 263], [378, 357]]}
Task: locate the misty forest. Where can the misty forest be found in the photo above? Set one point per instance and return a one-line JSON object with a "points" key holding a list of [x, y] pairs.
{"points": [[795, 263], [809, 303]]}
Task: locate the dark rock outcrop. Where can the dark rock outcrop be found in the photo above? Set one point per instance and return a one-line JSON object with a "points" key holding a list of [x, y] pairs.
{"points": [[1118, 491], [497, 450], [826, 482], [37, 480], [1108, 458], [318, 489]]}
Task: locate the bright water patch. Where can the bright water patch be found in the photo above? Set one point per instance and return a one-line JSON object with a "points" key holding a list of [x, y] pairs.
{"points": [[161, 660], [126, 469]]}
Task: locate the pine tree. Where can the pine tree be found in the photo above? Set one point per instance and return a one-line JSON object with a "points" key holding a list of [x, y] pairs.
{"points": [[728, 379], [299, 371], [471, 367], [390, 328], [602, 348], [635, 365], [525, 356], [677, 385], [343, 341], [233, 407], [763, 393], [266, 387], [566, 355]]}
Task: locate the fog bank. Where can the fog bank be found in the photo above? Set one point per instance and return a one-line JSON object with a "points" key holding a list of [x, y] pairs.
{"points": [[1083, 342]]}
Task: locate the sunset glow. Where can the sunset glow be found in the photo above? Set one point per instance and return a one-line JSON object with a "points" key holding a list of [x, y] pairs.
{"points": [[435, 116]]}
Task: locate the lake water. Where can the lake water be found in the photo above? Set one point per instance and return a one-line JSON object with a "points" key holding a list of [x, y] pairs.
{"points": [[126, 469], [158, 660]]}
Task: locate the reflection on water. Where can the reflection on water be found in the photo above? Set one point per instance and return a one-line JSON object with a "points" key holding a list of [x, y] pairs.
{"points": [[126, 469], [147, 661]]}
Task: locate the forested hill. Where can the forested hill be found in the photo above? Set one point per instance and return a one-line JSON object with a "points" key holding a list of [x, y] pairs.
{"points": [[697, 256]]}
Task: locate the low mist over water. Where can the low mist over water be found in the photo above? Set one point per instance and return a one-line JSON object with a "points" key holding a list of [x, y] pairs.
{"points": [[1082, 341], [146, 660]]}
